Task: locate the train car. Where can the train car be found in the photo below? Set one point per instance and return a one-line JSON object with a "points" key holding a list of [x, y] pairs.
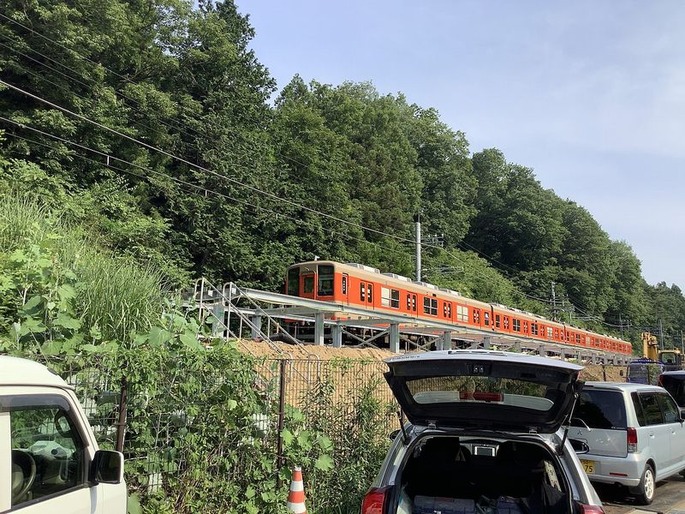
{"points": [[365, 287]]}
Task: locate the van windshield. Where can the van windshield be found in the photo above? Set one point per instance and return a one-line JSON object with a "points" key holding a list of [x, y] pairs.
{"points": [[600, 409]]}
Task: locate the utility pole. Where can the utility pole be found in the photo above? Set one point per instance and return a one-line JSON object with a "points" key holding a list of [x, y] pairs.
{"points": [[620, 324], [661, 335], [417, 220], [554, 304]]}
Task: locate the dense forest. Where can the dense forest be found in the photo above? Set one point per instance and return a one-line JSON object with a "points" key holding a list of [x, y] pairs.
{"points": [[153, 127]]}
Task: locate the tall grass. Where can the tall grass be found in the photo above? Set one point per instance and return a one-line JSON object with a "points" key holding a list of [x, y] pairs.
{"points": [[117, 295], [113, 293], [23, 222]]}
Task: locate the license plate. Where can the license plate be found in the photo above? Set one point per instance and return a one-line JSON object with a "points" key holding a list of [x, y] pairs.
{"points": [[588, 466]]}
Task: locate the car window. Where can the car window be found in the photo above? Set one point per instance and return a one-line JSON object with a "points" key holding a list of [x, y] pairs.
{"points": [[47, 450], [674, 386], [639, 412], [668, 408], [600, 409], [651, 408]]}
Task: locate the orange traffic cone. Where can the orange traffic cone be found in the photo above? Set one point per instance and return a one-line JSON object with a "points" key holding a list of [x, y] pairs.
{"points": [[296, 494]]}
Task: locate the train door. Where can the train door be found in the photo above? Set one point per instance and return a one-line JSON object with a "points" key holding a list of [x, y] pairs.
{"points": [[411, 303], [366, 294], [307, 284]]}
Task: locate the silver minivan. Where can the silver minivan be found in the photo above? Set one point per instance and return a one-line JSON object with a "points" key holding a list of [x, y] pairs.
{"points": [[634, 433]]}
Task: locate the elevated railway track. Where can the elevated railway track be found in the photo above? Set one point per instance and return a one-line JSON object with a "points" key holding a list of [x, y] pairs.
{"points": [[238, 312]]}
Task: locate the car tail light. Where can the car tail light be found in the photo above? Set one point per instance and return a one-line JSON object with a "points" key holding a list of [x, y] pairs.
{"points": [[632, 440], [590, 509], [374, 500]]}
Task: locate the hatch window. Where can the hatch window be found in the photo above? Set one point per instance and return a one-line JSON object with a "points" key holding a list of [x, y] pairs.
{"points": [[600, 409], [508, 392]]}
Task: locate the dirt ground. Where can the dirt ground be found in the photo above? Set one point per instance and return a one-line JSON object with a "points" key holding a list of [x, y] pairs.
{"points": [[312, 352]]}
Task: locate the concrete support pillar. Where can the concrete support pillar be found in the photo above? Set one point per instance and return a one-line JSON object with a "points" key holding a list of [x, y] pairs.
{"points": [[336, 334], [256, 326], [318, 329], [394, 337], [446, 340]]}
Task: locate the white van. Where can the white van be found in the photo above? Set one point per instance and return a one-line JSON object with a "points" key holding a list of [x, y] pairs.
{"points": [[49, 458]]}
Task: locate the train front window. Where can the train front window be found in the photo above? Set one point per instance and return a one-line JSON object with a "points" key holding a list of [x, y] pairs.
{"points": [[308, 286], [325, 280], [294, 281]]}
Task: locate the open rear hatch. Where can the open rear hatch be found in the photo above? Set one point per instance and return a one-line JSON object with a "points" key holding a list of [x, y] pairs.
{"points": [[484, 389]]}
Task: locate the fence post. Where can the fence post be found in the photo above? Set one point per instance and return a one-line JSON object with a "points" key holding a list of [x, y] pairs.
{"points": [[121, 423], [281, 416]]}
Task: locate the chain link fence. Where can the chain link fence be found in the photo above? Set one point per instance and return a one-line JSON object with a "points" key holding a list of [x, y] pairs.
{"points": [[329, 394]]}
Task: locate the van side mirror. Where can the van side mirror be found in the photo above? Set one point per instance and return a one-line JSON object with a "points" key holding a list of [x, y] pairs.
{"points": [[107, 467], [393, 434]]}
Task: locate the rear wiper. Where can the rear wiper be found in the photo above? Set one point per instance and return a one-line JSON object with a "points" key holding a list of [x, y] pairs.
{"points": [[582, 421]]}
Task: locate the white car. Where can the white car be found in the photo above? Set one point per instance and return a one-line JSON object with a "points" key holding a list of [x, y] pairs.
{"points": [[49, 459], [635, 435], [486, 433]]}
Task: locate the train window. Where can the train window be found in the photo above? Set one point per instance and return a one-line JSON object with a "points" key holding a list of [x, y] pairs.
{"points": [[506, 322], [517, 325], [413, 302], [430, 306], [294, 281], [369, 290], [525, 327], [408, 302], [550, 332], [462, 313], [448, 310], [534, 328], [308, 285], [497, 320], [390, 298], [325, 280], [486, 318], [362, 292], [577, 338], [344, 284], [476, 316]]}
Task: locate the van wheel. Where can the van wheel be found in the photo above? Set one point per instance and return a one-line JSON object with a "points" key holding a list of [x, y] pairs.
{"points": [[644, 493]]}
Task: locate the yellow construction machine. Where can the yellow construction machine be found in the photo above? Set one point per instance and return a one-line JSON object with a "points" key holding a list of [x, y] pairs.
{"points": [[654, 361]]}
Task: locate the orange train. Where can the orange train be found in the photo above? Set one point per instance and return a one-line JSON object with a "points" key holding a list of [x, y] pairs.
{"points": [[365, 287]]}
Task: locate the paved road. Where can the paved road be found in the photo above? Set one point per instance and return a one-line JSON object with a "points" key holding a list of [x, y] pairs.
{"points": [[669, 498]]}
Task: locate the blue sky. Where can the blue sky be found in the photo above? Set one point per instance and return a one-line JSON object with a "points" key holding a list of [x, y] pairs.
{"points": [[589, 94]]}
